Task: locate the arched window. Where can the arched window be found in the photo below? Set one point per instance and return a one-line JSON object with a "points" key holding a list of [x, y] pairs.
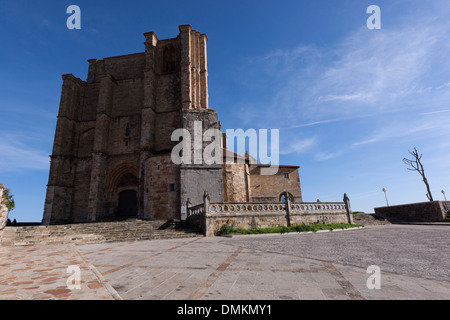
{"points": [[285, 195]]}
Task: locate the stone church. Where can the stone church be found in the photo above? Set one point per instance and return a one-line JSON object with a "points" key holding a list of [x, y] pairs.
{"points": [[111, 156]]}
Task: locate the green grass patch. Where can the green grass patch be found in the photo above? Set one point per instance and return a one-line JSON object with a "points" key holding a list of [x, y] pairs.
{"points": [[230, 229]]}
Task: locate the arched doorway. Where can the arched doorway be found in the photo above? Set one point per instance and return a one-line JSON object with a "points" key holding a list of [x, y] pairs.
{"points": [[127, 204], [123, 196]]}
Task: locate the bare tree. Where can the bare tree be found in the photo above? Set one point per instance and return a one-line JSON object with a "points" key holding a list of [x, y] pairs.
{"points": [[416, 165]]}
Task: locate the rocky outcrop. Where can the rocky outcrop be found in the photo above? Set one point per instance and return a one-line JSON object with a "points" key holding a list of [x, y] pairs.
{"points": [[3, 210]]}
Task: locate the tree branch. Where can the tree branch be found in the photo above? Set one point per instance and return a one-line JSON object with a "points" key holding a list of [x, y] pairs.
{"points": [[416, 165]]}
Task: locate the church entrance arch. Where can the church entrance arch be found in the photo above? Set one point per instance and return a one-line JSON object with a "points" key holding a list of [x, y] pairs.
{"points": [[127, 204], [123, 192]]}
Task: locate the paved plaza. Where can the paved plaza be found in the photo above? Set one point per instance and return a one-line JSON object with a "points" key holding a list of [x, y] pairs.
{"points": [[414, 263]]}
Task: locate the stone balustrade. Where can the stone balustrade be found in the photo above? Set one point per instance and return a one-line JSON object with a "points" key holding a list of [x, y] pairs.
{"points": [[223, 207], [301, 207], [211, 217], [195, 210]]}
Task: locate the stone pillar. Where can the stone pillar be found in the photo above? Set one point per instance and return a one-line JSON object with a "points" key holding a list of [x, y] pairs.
{"points": [[248, 192], [70, 100], [288, 210], [103, 117], [185, 210], [148, 117], [151, 42], [348, 208], [98, 166], [58, 200], [96, 189], [196, 58], [203, 73], [193, 70], [206, 201], [185, 41]]}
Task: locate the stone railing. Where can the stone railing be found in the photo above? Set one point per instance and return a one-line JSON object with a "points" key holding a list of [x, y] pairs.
{"points": [[211, 217], [196, 210], [270, 207], [313, 206]]}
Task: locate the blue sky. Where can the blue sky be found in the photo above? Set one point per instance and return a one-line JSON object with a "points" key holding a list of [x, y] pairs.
{"points": [[349, 102]]}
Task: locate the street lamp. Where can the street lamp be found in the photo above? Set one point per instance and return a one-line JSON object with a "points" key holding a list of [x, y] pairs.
{"points": [[443, 192], [384, 190]]}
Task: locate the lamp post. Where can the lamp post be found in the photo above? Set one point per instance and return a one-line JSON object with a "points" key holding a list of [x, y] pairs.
{"points": [[443, 192], [384, 190]]}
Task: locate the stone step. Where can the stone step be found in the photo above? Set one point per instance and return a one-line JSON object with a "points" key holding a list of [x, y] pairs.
{"points": [[98, 232]]}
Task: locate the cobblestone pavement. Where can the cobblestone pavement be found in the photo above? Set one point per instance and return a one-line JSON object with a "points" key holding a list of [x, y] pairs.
{"points": [[40, 273], [421, 251], [329, 265]]}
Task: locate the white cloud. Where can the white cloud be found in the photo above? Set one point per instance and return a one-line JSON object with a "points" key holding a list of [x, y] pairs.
{"points": [[377, 70], [310, 124], [280, 57], [299, 146], [435, 112], [411, 127], [443, 86], [347, 97], [367, 72], [15, 155], [323, 156]]}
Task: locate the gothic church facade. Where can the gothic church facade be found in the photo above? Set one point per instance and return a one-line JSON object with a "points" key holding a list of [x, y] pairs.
{"points": [[111, 156]]}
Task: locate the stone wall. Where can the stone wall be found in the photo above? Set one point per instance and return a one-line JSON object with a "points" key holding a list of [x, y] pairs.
{"points": [[3, 211], [161, 188], [431, 211], [235, 182], [268, 188], [195, 178], [120, 67], [212, 217], [446, 205], [244, 182]]}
